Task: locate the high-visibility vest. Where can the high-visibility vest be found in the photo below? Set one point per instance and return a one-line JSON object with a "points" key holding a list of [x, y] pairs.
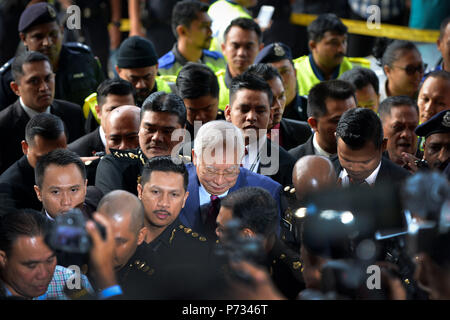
{"points": [[162, 83], [224, 92], [307, 79]]}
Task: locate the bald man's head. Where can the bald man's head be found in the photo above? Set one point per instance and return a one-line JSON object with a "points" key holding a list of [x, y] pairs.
{"points": [[312, 173], [122, 128], [126, 213]]}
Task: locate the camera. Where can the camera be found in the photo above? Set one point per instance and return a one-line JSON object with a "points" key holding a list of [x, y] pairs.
{"points": [[68, 233]]}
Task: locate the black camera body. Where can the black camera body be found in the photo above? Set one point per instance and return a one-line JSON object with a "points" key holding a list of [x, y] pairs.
{"points": [[68, 233]]}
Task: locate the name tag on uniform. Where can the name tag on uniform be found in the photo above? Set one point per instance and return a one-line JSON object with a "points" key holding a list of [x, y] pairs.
{"points": [[78, 75]]}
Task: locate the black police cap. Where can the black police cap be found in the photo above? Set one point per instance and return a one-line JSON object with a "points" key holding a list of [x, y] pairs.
{"points": [[136, 52], [439, 123], [274, 52], [35, 14]]}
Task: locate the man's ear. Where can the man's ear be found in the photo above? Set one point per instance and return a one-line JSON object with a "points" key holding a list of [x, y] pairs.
{"points": [[261, 46], [181, 30], [98, 109], [186, 195], [384, 145], [222, 45], [141, 235], [248, 233], [25, 147], [117, 70], [38, 192], [3, 259], [312, 45], [15, 88], [22, 38], [386, 69], [139, 189], [312, 123], [228, 113]]}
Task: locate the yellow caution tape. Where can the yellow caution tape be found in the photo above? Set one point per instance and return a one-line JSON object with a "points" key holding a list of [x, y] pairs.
{"points": [[381, 30], [124, 25]]}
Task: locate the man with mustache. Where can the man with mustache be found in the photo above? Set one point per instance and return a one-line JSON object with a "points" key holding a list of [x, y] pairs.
{"points": [[34, 84], [77, 71], [400, 117], [191, 26], [163, 115], [436, 132], [328, 45], [243, 41]]}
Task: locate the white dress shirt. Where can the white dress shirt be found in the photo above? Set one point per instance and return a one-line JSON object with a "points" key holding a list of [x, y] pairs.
{"points": [[345, 181]]}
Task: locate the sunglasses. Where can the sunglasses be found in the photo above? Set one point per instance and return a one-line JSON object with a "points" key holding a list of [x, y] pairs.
{"points": [[411, 70]]}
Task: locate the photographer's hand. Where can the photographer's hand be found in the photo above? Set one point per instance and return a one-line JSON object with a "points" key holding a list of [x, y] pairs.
{"points": [[102, 253]]}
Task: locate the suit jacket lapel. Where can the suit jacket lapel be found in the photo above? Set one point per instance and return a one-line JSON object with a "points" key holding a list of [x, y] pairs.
{"points": [[19, 115]]}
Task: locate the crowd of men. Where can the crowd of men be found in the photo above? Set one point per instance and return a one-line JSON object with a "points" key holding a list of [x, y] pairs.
{"points": [[224, 168]]}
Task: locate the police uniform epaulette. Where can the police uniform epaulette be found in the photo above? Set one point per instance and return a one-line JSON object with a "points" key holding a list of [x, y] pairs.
{"points": [[166, 61], [292, 263], [213, 54], [128, 154], [6, 66], [189, 231], [78, 46], [142, 265]]}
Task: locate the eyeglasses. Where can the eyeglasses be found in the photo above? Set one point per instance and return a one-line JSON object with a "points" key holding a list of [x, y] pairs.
{"points": [[230, 173], [411, 70]]}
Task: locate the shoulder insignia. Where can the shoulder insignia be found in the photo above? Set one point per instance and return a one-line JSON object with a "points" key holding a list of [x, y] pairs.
{"points": [[172, 235], [213, 54], [202, 239], [78, 75], [296, 265], [194, 234], [181, 226], [166, 60], [187, 230]]}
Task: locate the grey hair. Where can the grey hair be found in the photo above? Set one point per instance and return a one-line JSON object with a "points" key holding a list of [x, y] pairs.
{"points": [[217, 135]]}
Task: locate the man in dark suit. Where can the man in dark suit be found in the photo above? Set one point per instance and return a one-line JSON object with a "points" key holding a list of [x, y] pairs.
{"points": [[249, 110], [111, 94], [215, 172], [287, 133], [43, 133], [360, 146], [327, 101], [34, 83]]}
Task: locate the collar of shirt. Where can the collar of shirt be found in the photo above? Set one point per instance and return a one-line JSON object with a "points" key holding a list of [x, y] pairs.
{"points": [[43, 297], [318, 150], [319, 73], [180, 58], [252, 154], [49, 216], [343, 176], [102, 135], [205, 196], [30, 112]]}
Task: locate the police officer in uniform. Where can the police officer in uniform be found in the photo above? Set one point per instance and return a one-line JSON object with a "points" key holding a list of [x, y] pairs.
{"points": [[78, 72], [279, 56], [162, 113], [169, 248]]}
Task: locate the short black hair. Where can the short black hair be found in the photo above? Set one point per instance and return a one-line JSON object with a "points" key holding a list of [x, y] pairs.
{"points": [[24, 58], [335, 89], [443, 26], [265, 70], [255, 208], [358, 126], [442, 74], [184, 12], [387, 51], [197, 80], [390, 102], [59, 157], [246, 24], [165, 102], [250, 81], [362, 77], [164, 164], [116, 86], [45, 125], [323, 23], [24, 222]]}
